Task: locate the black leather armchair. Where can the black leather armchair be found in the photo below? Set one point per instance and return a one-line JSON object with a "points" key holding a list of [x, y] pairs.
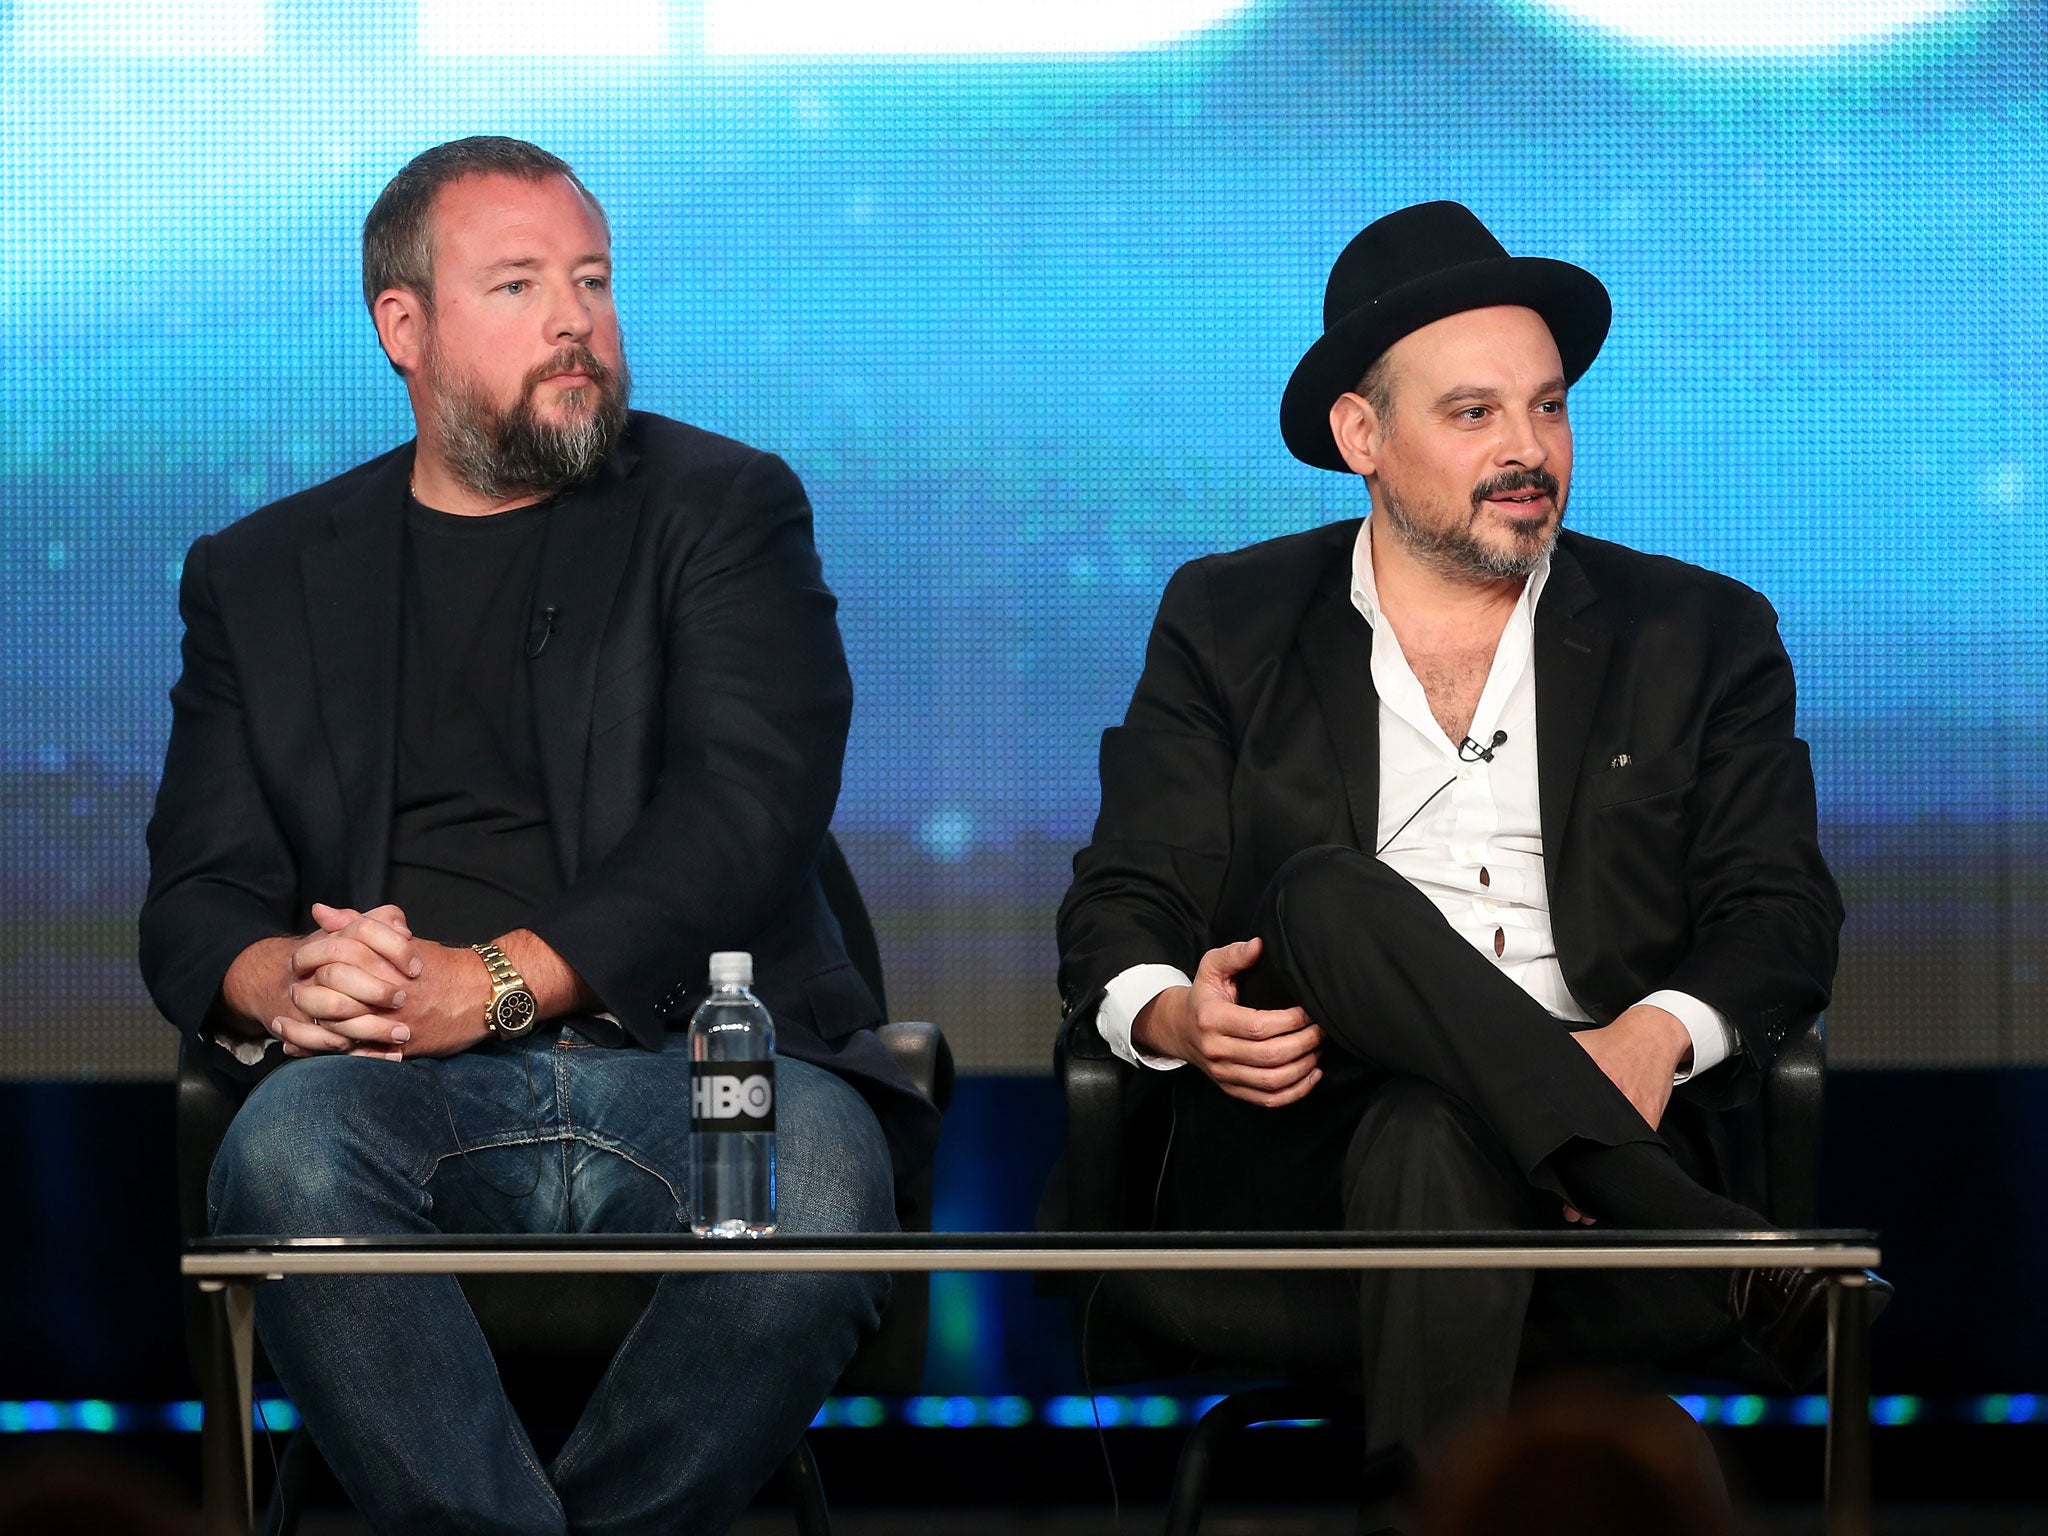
{"points": [[552, 1326], [1244, 1332]]}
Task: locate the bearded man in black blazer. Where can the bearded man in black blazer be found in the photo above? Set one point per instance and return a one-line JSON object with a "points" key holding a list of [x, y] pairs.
{"points": [[479, 751], [1436, 850]]}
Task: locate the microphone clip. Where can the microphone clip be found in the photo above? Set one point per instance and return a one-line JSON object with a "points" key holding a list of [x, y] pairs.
{"points": [[547, 633], [1471, 752]]}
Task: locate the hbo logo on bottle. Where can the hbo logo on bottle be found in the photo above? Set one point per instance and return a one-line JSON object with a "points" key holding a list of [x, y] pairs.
{"points": [[729, 1100]]}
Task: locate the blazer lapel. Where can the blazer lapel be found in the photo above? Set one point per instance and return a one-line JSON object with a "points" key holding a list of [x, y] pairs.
{"points": [[1572, 642], [1336, 648], [352, 609], [582, 562]]}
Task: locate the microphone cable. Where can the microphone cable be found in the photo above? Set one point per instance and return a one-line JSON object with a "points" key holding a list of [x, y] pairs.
{"points": [[1479, 755]]}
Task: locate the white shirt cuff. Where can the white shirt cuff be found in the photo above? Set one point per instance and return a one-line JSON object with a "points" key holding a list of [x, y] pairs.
{"points": [[1713, 1038], [1124, 999]]}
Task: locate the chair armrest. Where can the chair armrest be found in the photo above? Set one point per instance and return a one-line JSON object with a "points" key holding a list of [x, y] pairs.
{"points": [[1094, 1083], [921, 1051], [1792, 1100]]}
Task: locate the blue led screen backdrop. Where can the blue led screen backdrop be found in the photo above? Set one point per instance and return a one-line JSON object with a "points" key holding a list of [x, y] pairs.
{"points": [[1016, 295]]}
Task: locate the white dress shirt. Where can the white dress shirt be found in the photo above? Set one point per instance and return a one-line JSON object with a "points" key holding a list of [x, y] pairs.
{"points": [[1468, 835]]}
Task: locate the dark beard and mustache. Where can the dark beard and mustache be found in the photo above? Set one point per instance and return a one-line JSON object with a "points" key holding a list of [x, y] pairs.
{"points": [[1456, 550], [501, 454]]}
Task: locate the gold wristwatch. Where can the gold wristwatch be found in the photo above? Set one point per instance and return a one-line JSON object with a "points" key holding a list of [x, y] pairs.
{"points": [[511, 1012]]}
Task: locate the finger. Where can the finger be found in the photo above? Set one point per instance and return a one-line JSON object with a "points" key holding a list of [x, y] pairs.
{"points": [[346, 949], [315, 994], [1278, 1100], [332, 1010], [1265, 1079], [364, 986], [372, 948], [1251, 1023], [390, 956], [392, 916], [303, 1039], [395, 948], [1277, 1052], [352, 1027], [1227, 960], [333, 919]]}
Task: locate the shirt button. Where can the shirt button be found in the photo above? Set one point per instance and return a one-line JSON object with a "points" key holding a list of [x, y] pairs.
{"points": [[1490, 905]]}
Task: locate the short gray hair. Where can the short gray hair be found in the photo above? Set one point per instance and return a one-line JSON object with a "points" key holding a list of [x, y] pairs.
{"points": [[398, 235]]}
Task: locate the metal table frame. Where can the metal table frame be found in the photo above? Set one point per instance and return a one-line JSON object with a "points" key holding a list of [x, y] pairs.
{"points": [[234, 1266]]}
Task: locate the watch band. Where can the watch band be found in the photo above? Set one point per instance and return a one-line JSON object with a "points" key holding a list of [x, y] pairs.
{"points": [[505, 979]]}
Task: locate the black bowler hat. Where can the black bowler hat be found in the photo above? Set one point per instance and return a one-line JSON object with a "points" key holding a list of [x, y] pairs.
{"points": [[1414, 267]]}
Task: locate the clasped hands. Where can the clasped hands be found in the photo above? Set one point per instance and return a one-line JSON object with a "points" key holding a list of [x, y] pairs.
{"points": [[362, 984]]}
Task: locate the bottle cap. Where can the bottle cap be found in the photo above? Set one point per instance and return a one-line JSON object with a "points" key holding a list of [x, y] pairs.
{"points": [[732, 968]]}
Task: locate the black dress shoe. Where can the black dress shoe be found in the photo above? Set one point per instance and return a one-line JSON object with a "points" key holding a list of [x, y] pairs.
{"points": [[1782, 1314]]}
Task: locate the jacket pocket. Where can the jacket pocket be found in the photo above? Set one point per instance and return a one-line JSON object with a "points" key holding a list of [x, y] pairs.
{"points": [[1642, 780]]}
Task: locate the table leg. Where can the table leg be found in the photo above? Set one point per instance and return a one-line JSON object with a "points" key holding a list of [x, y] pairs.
{"points": [[228, 1444], [1848, 1449]]}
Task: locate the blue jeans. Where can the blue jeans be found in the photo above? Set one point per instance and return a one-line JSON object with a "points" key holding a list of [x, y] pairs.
{"points": [[711, 1389]]}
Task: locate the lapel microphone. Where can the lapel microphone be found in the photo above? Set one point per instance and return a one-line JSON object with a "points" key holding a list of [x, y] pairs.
{"points": [[1469, 752], [547, 633], [1478, 753]]}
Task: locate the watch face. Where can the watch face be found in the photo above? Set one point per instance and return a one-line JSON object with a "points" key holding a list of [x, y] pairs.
{"points": [[513, 1013]]}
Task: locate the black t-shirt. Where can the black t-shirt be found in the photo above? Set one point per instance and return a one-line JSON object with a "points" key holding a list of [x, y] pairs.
{"points": [[471, 854]]}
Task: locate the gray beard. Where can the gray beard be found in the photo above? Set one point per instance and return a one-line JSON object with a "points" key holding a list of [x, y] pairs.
{"points": [[501, 454], [1456, 552]]}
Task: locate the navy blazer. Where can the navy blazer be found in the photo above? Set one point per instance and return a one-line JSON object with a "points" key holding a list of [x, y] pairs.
{"points": [[1679, 826], [691, 705]]}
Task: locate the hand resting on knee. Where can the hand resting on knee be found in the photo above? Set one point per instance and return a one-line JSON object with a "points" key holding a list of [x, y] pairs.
{"points": [[1264, 1056], [1642, 1052]]}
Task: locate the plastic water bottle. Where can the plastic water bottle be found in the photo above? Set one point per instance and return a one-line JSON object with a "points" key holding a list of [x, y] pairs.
{"points": [[732, 1105]]}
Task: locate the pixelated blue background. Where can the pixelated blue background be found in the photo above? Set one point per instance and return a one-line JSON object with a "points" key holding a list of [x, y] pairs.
{"points": [[1021, 324]]}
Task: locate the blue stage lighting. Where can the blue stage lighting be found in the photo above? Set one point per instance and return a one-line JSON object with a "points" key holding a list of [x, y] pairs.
{"points": [[1896, 1410], [142, 29], [544, 28], [1811, 1410], [1742, 26], [930, 27]]}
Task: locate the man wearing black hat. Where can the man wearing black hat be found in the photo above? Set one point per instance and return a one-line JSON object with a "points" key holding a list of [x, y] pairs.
{"points": [[1446, 845]]}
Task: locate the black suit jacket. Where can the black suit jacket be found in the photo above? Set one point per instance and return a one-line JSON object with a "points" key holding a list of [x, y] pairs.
{"points": [[1680, 847], [691, 705]]}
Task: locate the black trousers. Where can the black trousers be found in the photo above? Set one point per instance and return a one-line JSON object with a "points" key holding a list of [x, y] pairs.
{"points": [[1450, 1101]]}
